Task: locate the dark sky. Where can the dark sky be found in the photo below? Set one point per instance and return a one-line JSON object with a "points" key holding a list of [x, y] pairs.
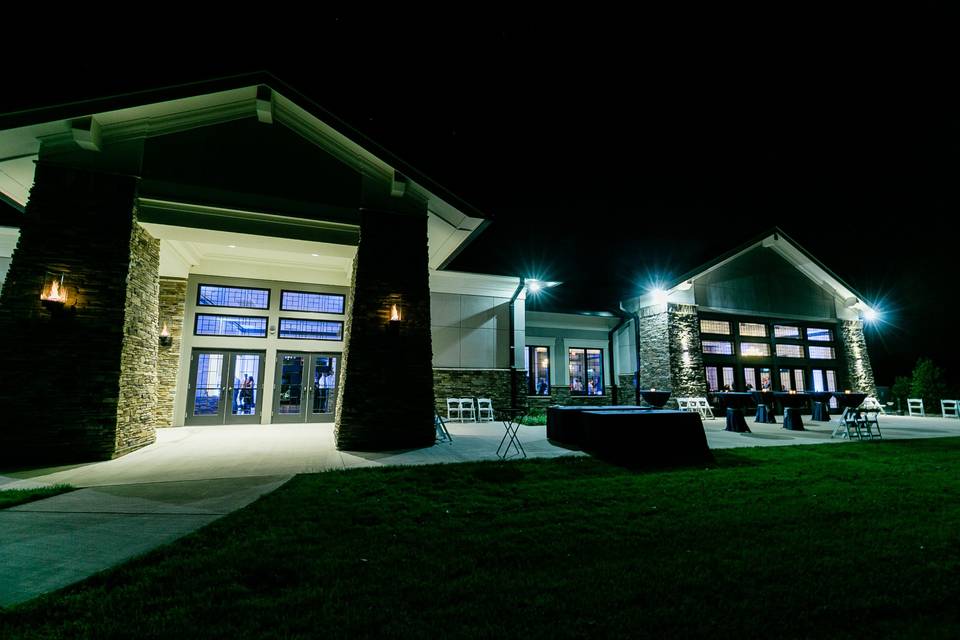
{"points": [[611, 151]]}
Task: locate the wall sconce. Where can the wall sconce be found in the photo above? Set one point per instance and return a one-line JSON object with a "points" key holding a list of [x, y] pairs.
{"points": [[165, 338], [393, 327], [53, 293]]}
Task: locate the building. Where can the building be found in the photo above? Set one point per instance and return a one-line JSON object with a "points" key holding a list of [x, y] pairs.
{"points": [[228, 253]]}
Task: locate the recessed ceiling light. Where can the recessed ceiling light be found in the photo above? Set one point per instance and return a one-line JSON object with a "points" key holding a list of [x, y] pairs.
{"points": [[232, 246], [315, 255]]}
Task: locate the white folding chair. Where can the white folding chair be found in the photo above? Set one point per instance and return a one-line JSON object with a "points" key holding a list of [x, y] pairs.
{"points": [[915, 406], [706, 411], [467, 410], [872, 404], [453, 409], [484, 410], [950, 408], [683, 404]]}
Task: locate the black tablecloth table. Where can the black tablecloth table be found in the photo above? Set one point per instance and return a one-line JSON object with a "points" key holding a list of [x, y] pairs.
{"points": [[654, 438], [734, 402], [765, 413], [565, 423], [792, 403], [655, 398], [820, 411], [511, 418]]}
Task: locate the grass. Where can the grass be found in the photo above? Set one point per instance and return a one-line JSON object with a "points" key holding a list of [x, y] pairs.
{"points": [[847, 540], [13, 497]]}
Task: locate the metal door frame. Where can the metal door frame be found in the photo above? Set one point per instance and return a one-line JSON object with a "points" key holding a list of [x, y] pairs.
{"points": [[223, 415], [228, 416], [311, 390]]}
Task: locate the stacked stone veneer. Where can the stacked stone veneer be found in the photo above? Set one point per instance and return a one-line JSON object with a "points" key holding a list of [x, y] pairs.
{"points": [[173, 298], [560, 395], [670, 354], [73, 390], [686, 355], [477, 383], [859, 370], [386, 392]]}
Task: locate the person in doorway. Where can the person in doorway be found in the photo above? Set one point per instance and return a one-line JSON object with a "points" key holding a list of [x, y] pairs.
{"points": [[246, 395], [766, 384]]}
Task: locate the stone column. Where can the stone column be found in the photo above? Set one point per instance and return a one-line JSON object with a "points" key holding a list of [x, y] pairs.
{"points": [[859, 370], [75, 388], [173, 298], [386, 390], [686, 356], [654, 350]]}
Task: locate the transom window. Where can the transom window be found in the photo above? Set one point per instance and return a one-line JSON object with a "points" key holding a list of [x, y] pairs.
{"points": [[784, 331], [819, 334], [312, 302], [789, 351], [715, 326], [719, 347], [214, 295], [753, 329], [586, 372], [754, 349], [301, 329], [821, 353], [208, 324]]}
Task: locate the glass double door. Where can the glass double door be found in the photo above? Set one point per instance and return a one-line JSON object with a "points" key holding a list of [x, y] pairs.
{"points": [[305, 387], [225, 387]]}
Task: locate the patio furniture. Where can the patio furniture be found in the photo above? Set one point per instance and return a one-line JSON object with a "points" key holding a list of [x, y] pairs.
{"points": [[467, 410], [453, 409], [915, 405], [950, 408], [512, 417], [703, 408], [792, 403], [734, 402], [850, 418], [820, 409], [872, 404], [565, 423], [654, 398], [646, 438], [484, 410], [441, 428], [867, 421], [765, 413]]}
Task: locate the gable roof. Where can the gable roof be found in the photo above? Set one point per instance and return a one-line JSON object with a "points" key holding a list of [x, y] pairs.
{"points": [[788, 249], [171, 109]]}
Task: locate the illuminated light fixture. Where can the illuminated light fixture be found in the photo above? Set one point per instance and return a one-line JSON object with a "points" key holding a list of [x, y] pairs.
{"points": [[53, 293], [534, 286], [165, 338], [870, 314], [659, 296], [315, 255], [231, 246], [393, 327]]}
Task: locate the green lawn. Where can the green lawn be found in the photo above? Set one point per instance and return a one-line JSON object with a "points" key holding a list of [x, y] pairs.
{"points": [[845, 540], [13, 497]]}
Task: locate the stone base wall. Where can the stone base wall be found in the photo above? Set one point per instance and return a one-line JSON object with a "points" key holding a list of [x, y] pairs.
{"points": [[859, 371], [173, 299], [686, 355], [137, 400], [476, 383], [627, 393], [62, 369], [386, 390]]}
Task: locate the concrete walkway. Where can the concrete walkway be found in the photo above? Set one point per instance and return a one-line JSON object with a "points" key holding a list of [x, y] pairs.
{"points": [[193, 475]]}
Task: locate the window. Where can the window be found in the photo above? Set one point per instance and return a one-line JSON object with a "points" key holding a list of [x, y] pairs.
{"points": [[719, 347], [753, 329], [715, 326], [720, 378], [789, 351], [798, 380], [208, 324], [298, 329], [538, 370], [750, 378], [754, 349], [821, 353], [818, 334], [783, 331], [586, 372], [312, 302], [712, 382], [211, 295]]}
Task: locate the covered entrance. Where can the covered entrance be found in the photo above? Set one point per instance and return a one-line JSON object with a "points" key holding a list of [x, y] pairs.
{"points": [[306, 387], [225, 387]]}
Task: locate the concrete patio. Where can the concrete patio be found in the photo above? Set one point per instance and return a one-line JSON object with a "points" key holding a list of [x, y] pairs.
{"points": [[193, 475]]}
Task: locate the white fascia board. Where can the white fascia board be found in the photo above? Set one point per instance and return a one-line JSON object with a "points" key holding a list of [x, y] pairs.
{"points": [[554, 320], [8, 241], [474, 284]]}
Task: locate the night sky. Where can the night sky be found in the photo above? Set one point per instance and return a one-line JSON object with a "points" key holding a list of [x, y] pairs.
{"points": [[610, 157]]}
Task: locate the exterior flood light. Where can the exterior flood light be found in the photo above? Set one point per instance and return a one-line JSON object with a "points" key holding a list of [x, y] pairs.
{"points": [[534, 286], [659, 296], [870, 314]]}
